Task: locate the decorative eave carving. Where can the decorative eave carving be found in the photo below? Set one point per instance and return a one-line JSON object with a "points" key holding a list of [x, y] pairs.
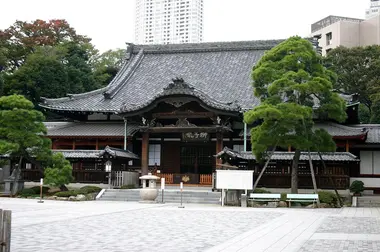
{"points": [[180, 88], [178, 83]]}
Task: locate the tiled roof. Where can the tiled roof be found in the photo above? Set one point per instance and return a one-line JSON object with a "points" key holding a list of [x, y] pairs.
{"points": [[338, 130], [282, 155], [218, 71], [99, 129], [118, 153], [179, 87], [334, 129], [373, 135], [96, 154], [71, 154]]}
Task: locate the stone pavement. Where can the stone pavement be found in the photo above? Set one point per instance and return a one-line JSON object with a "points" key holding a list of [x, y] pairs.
{"points": [[130, 226]]}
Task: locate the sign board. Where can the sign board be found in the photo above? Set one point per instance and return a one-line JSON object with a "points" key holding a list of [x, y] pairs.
{"points": [[42, 181], [195, 136], [234, 179]]}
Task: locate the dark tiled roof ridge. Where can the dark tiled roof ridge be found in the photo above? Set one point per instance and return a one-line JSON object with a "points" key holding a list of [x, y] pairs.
{"points": [[127, 68], [76, 150], [187, 89], [284, 155], [346, 127], [341, 153], [209, 46], [51, 101]]}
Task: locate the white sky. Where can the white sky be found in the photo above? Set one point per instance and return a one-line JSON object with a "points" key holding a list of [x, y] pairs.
{"points": [[110, 23]]}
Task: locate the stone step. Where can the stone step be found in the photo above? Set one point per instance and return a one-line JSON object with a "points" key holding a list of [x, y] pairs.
{"points": [[170, 196], [166, 193], [159, 198], [369, 201]]}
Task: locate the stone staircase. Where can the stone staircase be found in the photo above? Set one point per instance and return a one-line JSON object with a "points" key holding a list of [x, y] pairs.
{"points": [[368, 201], [170, 196]]}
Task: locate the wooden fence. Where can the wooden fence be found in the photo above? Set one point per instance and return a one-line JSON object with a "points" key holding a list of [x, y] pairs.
{"points": [[5, 230], [205, 179], [168, 177]]}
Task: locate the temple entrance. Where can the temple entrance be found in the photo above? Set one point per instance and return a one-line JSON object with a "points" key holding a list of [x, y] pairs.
{"points": [[197, 159]]}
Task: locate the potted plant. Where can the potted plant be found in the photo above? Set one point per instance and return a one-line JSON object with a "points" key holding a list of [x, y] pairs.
{"points": [[357, 187]]}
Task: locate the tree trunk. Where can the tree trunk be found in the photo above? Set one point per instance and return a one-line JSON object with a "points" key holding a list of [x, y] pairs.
{"points": [[331, 180], [294, 182], [264, 168], [313, 177], [16, 178], [63, 188]]}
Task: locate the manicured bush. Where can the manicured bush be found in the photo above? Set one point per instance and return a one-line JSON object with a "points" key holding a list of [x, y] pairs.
{"points": [[260, 190], [283, 196], [69, 193], [26, 192], [128, 186], [90, 189], [357, 186], [328, 198], [36, 189]]}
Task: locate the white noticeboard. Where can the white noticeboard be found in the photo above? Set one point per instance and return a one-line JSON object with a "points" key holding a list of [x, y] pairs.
{"points": [[233, 179]]}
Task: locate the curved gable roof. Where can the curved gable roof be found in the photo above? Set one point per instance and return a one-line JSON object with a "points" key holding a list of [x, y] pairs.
{"points": [[221, 71]]}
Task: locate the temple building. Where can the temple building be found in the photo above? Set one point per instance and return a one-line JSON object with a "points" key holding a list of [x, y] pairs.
{"points": [[178, 110]]}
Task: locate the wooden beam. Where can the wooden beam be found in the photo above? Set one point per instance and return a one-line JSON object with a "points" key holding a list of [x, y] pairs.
{"points": [[176, 115], [289, 148], [347, 146], [144, 153], [185, 129], [74, 144], [97, 144]]}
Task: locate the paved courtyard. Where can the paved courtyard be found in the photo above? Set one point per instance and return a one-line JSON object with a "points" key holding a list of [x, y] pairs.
{"points": [[118, 226]]}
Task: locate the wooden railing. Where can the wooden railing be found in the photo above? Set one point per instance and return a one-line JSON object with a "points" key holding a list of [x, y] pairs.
{"points": [[168, 177], [94, 176], [205, 179], [33, 175]]}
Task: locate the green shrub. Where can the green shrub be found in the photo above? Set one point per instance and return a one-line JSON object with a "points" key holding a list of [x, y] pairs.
{"points": [[328, 198], [36, 189], [260, 190], [357, 186], [91, 189], [26, 192], [131, 186], [69, 193], [283, 196]]}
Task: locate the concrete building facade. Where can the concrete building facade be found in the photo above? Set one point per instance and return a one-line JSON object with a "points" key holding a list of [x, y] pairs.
{"points": [[373, 10], [169, 21], [337, 31]]}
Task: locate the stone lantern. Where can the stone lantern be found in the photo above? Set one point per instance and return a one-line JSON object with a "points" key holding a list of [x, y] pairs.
{"points": [[150, 193]]}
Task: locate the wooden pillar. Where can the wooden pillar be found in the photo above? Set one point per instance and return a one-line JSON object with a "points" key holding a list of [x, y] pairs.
{"points": [[289, 148], [219, 147], [74, 144], [125, 133], [144, 153], [97, 144], [347, 146]]}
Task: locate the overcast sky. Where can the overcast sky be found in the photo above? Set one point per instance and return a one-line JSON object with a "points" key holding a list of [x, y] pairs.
{"points": [[110, 23]]}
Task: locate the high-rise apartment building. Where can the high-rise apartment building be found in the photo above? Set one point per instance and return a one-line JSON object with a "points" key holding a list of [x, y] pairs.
{"points": [[373, 10], [169, 21]]}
